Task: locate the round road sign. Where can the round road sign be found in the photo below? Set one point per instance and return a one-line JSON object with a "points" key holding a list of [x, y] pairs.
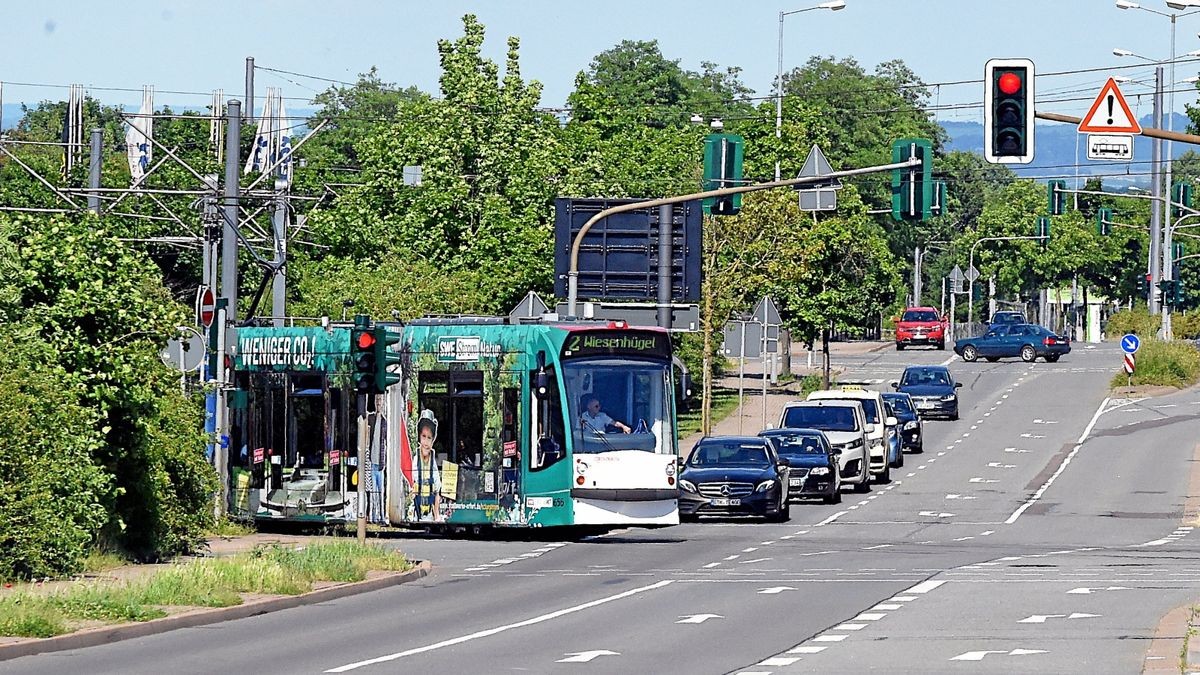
{"points": [[206, 306]]}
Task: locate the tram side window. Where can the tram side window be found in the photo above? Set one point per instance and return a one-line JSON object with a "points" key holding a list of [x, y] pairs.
{"points": [[548, 412]]}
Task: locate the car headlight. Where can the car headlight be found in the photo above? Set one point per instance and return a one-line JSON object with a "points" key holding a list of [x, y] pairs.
{"points": [[852, 445], [819, 471], [951, 397], [687, 485], [765, 485], [913, 424]]}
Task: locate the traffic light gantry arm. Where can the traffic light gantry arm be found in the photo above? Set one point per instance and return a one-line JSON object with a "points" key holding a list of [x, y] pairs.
{"points": [[1164, 134], [573, 271]]}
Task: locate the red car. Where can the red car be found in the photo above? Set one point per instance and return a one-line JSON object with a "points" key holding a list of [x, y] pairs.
{"points": [[920, 326]]}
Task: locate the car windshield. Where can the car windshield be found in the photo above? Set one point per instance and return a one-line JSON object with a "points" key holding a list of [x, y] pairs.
{"points": [[720, 453], [825, 418], [924, 377], [900, 404], [620, 404], [919, 315], [1008, 318], [798, 444]]}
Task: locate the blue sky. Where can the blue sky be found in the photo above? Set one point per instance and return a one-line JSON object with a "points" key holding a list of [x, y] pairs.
{"points": [[200, 45]]}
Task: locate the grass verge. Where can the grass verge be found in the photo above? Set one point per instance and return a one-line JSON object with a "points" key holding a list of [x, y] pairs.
{"points": [[213, 582], [724, 403], [230, 528], [1167, 364]]}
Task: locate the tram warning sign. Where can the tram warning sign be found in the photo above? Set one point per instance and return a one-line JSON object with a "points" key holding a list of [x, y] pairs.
{"points": [[1109, 113]]}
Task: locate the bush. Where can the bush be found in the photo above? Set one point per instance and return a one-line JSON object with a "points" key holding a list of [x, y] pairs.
{"points": [[1170, 364], [1138, 321], [1186, 325], [51, 507]]}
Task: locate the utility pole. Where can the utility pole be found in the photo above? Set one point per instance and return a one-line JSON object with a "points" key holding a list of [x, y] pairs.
{"points": [[1156, 194], [917, 276], [94, 163]]}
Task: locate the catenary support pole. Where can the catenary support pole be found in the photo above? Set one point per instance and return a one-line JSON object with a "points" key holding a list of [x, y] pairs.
{"points": [[229, 243], [249, 90], [94, 164], [279, 220]]}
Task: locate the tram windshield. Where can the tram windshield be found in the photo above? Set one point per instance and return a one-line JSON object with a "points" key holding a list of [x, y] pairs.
{"points": [[619, 404]]}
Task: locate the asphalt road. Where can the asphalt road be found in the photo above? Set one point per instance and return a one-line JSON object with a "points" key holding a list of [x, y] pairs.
{"points": [[1043, 532]]}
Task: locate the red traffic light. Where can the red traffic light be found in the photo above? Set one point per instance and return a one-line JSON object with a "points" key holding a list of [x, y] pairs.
{"points": [[1009, 83], [366, 340]]}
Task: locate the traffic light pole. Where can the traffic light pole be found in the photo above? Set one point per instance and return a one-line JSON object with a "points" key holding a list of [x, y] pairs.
{"points": [[573, 271], [364, 437]]}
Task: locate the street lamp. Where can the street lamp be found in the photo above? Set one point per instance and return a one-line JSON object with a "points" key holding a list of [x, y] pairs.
{"points": [[1177, 6], [833, 5]]}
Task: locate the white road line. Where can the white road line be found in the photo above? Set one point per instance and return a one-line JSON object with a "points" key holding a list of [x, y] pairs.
{"points": [[903, 598], [735, 556], [1050, 481], [806, 650], [832, 518], [849, 626], [780, 661], [886, 606], [910, 475], [925, 587], [870, 616], [947, 361], [711, 565], [750, 550], [829, 638], [500, 629]]}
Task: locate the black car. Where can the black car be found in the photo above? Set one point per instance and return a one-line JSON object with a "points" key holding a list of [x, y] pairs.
{"points": [[734, 476], [905, 412], [933, 390], [1027, 340], [812, 463], [1006, 318]]}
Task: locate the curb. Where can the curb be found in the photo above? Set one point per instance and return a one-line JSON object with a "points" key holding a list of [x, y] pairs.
{"points": [[202, 617]]}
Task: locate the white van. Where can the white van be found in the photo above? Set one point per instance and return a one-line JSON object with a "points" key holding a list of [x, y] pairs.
{"points": [[874, 409], [846, 427]]}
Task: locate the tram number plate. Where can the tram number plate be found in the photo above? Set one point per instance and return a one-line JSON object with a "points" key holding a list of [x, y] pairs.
{"points": [[722, 501]]}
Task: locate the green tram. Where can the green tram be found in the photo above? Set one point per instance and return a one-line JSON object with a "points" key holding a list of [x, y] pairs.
{"points": [[520, 425]]}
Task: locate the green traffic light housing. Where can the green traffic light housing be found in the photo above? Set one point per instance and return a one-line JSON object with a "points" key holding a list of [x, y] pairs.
{"points": [[723, 169], [362, 353], [913, 188], [385, 358], [1104, 218], [1181, 198], [1043, 230], [1008, 111], [1056, 197]]}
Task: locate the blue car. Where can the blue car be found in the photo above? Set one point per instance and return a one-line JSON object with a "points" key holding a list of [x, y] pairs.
{"points": [[912, 435], [1027, 340], [734, 476], [933, 390], [813, 463]]}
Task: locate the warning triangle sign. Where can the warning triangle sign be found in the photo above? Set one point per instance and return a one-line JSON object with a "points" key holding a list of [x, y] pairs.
{"points": [[1110, 113]]}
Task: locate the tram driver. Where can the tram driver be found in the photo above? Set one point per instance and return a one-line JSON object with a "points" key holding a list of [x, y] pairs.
{"points": [[594, 419]]}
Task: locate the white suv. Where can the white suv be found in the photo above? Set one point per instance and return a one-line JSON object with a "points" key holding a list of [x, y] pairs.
{"points": [[877, 437], [846, 427]]}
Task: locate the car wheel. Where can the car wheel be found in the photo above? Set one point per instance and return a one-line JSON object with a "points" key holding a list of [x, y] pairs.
{"points": [[942, 346], [900, 458], [835, 498], [899, 347], [969, 353], [865, 485], [992, 359], [954, 415], [688, 518], [1053, 358], [1028, 354], [783, 513], [885, 477], [919, 449]]}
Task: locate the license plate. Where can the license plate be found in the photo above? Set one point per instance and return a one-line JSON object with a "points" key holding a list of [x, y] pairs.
{"points": [[722, 501], [796, 482], [924, 406]]}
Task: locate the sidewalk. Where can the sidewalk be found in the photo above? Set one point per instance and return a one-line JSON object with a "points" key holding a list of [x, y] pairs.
{"points": [[749, 419]]}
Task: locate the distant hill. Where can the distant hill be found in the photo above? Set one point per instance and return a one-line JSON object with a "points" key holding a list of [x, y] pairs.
{"points": [[1055, 151]]}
